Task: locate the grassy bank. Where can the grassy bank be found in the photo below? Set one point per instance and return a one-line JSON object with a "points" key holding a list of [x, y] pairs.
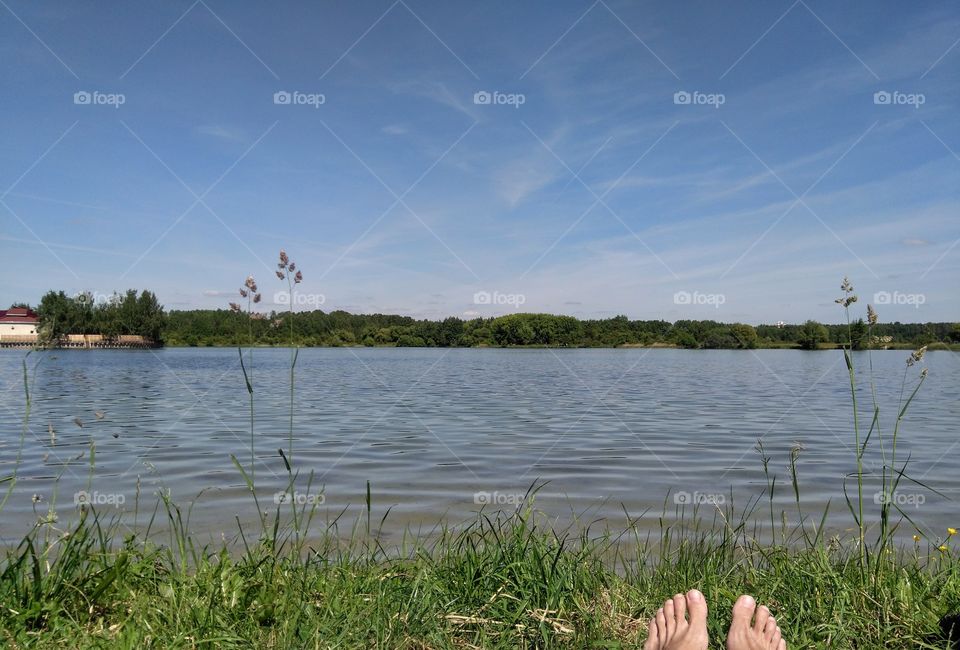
{"points": [[502, 582]]}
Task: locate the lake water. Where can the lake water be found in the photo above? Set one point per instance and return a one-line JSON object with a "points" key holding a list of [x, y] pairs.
{"points": [[438, 432]]}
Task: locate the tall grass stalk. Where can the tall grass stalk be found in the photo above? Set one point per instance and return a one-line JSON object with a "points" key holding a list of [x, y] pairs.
{"points": [[890, 473], [287, 270], [846, 300], [11, 480], [252, 296]]}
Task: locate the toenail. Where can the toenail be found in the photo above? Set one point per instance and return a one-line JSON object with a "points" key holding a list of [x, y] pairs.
{"points": [[695, 595]]}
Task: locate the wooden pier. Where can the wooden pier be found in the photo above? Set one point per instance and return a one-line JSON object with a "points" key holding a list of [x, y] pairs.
{"points": [[83, 342]]}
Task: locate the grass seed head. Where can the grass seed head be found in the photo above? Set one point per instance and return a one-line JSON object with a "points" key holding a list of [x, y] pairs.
{"points": [[916, 356], [848, 298]]}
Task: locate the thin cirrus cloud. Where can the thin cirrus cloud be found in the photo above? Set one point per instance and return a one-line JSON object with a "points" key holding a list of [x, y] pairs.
{"points": [[223, 132]]}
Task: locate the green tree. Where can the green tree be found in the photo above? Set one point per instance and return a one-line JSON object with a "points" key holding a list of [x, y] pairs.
{"points": [[515, 329], [954, 334], [55, 315], [150, 318], [408, 341], [745, 335], [812, 334], [858, 335], [343, 337], [449, 332]]}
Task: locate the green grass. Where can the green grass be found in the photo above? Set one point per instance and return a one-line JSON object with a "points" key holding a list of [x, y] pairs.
{"points": [[501, 582]]}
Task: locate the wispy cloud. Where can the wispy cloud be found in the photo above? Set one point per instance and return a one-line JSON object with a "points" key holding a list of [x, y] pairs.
{"points": [[223, 132]]}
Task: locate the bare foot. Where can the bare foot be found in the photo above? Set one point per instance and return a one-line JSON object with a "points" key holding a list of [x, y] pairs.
{"points": [[670, 629], [762, 633]]}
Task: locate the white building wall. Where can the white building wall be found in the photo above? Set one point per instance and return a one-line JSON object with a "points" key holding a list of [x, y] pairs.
{"points": [[17, 329]]}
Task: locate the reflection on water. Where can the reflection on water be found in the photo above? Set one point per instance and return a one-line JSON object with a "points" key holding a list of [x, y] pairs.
{"points": [[438, 433]]}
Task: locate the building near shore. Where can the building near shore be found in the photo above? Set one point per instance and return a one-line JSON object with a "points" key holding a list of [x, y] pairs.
{"points": [[19, 328], [18, 325]]}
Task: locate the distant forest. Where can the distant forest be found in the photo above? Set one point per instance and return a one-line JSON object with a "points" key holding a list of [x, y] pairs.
{"points": [[141, 313], [339, 328]]}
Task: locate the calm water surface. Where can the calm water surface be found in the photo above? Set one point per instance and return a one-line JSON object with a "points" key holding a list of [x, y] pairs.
{"points": [[436, 432]]}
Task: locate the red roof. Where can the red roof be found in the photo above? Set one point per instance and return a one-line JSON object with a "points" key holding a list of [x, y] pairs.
{"points": [[18, 315]]}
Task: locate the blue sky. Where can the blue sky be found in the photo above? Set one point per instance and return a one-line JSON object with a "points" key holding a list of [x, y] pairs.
{"points": [[598, 195]]}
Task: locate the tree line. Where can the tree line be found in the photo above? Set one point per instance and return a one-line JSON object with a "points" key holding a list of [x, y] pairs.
{"points": [[140, 313], [130, 313], [340, 328]]}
